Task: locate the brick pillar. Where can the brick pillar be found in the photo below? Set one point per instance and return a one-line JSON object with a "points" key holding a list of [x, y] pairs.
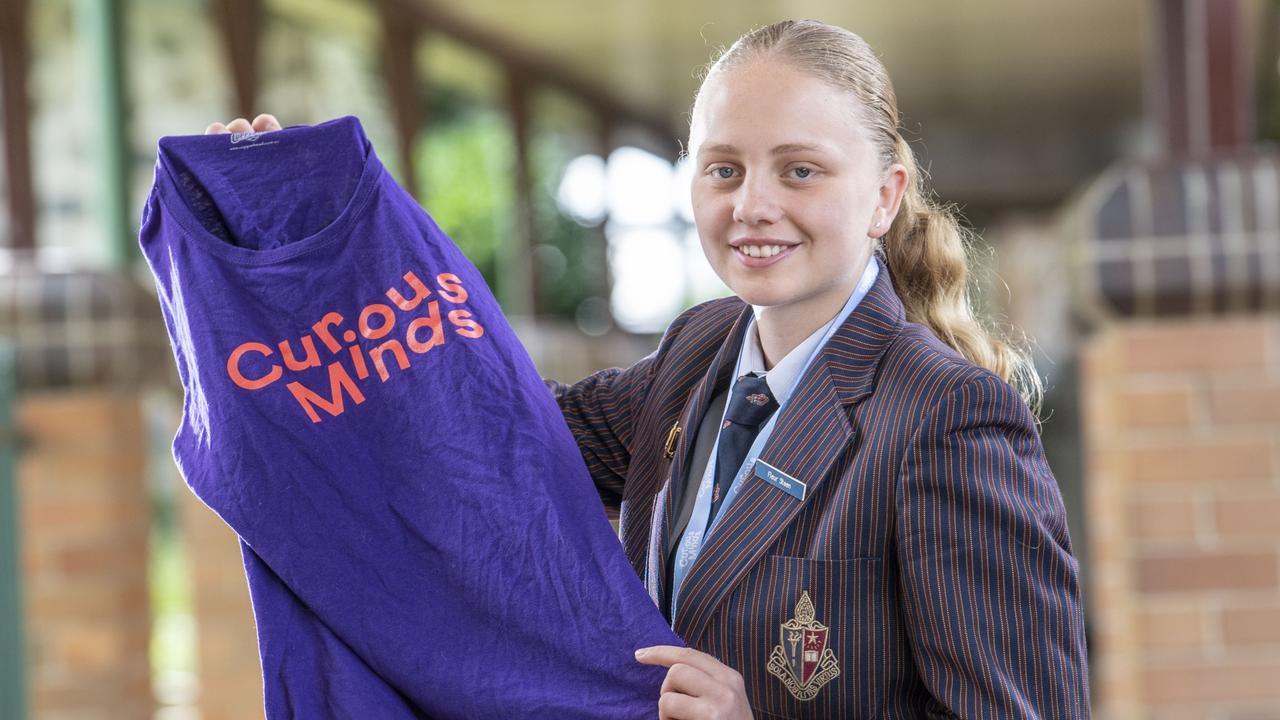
{"points": [[83, 520], [228, 666], [1182, 421]]}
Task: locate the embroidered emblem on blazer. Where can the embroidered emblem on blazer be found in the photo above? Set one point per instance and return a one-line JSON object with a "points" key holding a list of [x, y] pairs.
{"points": [[803, 661]]}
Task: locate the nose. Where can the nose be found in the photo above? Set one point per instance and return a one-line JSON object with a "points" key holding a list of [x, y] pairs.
{"points": [[756, 201]]}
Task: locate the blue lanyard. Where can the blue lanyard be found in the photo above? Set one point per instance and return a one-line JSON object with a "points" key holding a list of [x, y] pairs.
{"points": [[692, 541]]}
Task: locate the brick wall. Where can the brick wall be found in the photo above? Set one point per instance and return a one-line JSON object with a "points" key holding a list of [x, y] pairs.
{"points": [[83, 518], [227, 646], [1182, 422]]}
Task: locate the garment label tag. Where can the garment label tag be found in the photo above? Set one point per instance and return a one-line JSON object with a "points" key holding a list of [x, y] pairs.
{"points": [[780, 480], [250, 139]]}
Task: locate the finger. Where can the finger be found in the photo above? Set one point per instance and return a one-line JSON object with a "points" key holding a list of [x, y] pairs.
{"points": [[664, 655], [215, 129], [239, 125], [674, 706], [689, 680], [668, 655], [266, 122]]}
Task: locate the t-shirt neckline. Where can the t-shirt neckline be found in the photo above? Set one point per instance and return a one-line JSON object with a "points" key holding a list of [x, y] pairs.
{"points": [[178, 209]]}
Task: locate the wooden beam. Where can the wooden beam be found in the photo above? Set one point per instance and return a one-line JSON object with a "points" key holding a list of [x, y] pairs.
{"points": [[1201, 85], [1265, 83], [398, 71], [1229, 76], [240, 23], [538, 68], [16, 113], [1167, 87], [521, 270]]}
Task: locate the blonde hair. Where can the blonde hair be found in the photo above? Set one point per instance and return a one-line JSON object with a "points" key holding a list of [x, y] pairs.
{"points": [[926, 249]]}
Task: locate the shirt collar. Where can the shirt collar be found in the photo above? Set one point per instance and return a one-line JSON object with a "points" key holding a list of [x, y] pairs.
{"points": [[787, 370]]}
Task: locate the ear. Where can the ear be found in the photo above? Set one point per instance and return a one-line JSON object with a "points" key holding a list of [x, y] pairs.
{"points": [[888, 199]]}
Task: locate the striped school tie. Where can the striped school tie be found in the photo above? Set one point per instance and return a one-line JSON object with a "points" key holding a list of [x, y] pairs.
{"points": [[750, 405]]}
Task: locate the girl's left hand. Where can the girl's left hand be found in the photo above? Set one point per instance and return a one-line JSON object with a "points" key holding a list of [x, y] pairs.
{"points": [[698, 687]]}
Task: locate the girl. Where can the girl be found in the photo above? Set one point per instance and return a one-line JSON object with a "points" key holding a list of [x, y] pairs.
{"points": [[828, 482]]}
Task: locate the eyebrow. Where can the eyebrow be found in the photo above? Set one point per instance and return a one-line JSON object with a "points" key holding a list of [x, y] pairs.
{"points": [[777, 150]]}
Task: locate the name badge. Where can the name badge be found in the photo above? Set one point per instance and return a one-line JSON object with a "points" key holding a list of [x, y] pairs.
{"points": [[780, 480]]}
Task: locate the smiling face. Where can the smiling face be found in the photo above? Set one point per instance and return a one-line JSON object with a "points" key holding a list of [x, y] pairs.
{"points": [[787, 187]]}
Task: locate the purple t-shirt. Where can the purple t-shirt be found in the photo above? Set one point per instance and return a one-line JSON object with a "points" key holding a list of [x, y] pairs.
{"points": [[419, 530]]}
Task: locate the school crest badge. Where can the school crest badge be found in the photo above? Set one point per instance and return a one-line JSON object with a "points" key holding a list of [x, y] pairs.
{"points": [[803, 661]]}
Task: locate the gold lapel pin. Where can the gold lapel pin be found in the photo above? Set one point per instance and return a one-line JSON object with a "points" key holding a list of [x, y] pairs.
{"points": [[669, 448]]}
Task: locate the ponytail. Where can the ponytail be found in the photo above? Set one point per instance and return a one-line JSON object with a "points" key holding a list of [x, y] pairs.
{"points": [[928, 254]]}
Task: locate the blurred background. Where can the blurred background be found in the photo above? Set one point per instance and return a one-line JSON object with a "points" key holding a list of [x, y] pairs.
{"points": [[1114, 156]]}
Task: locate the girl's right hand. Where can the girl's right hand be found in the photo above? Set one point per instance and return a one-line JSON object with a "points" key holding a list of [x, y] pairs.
{"points": [[263, 123]]}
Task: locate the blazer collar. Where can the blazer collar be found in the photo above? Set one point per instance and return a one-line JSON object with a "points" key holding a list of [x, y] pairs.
{"points": [[853, 353], [851, 356]]}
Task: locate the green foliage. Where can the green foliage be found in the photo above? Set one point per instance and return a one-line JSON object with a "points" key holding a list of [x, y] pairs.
{"points": [[465, 169], [576, 271], [172, 633], [466, 166]]}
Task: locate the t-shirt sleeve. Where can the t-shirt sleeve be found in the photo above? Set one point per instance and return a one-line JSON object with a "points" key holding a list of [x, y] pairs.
{"points": [[601, 411]]}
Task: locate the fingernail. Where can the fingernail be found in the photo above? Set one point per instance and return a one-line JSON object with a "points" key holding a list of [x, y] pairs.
{"points": [[641, 653]]}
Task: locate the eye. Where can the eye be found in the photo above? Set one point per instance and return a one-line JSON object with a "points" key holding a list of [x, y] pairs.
{"points": [[724, 172], [802, 172]]}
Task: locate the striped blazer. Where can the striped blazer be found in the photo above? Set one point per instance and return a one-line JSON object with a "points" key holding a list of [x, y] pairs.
{"points": [[927, 573]]}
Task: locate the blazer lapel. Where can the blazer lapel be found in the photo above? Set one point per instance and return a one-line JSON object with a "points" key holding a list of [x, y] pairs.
{"points": [[809, 434], [667, 500], [812, 431]]}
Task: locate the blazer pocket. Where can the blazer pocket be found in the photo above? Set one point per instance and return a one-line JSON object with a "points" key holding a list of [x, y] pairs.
{"points": [[813, 636]]}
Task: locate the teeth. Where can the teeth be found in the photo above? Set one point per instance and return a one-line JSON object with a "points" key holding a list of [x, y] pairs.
{"points": [[760, 250]]}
